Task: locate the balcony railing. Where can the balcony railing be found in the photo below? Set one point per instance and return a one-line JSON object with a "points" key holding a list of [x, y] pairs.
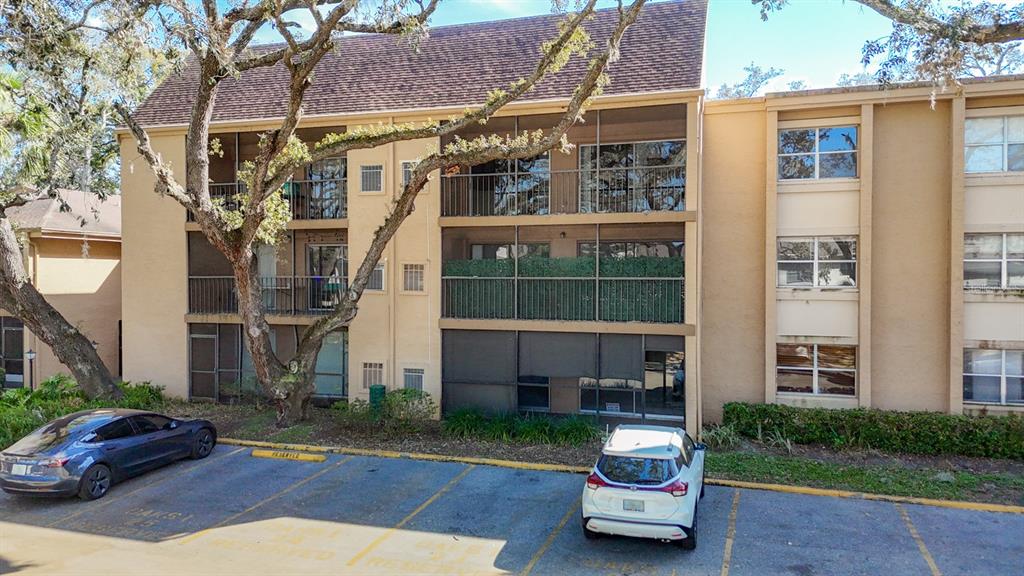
{"points": [[289, 295], [308, 199], [641, 189], [657, 300]]}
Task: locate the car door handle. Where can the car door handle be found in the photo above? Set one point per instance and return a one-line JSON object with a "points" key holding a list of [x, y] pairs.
{"points": [[109, 448]]}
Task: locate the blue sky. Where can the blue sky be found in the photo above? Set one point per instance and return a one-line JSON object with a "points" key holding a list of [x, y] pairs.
{"points": [[812, 40]]}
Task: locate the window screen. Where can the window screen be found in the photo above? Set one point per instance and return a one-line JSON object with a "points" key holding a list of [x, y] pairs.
{"points": [[371, 178], [412, 277], [413, 378], [373, 374]]}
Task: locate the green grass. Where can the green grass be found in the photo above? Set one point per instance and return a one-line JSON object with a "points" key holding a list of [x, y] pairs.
{"points": [[297, 434], [874, 479]]}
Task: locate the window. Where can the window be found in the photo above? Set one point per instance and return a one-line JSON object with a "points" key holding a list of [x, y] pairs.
{"points": [[412, 277], [633, 249], [323, 196], [994, 144], [994, 376], [412, 378], [149, 423], [633, 470], [632, 176], [816, 369], [820, 262], [12, 344], [811, 153], [407, 167], [371, 178], [119, 428], [532, 393], [373, 374], [332, 366], [377, 278], [505, 251], [993, 261]]}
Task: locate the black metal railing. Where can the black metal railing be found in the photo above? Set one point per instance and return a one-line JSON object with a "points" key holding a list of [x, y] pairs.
{"points": [[617, 190], [308, 199], [288, 295]]}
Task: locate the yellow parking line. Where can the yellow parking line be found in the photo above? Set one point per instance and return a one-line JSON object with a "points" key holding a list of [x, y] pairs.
{"points": [[920, 542], [730, 534], [379, 539], [270, 498], [551, 537], [108, 500]]}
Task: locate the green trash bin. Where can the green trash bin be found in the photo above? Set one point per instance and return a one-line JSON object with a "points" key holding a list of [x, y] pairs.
{"points": [[377, 399]]}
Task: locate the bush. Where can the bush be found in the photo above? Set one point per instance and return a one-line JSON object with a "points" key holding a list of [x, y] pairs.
{"points": [[722, 437], [23, 410], [927, 433], [402, 409], [530, 429]]}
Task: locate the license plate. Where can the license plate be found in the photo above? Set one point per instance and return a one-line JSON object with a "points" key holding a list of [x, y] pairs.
{"points": [[19, 469], [633, 505]]}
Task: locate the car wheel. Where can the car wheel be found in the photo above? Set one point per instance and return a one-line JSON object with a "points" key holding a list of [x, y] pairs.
{"points": [[587, 532], [203, 444], [95, 482]]}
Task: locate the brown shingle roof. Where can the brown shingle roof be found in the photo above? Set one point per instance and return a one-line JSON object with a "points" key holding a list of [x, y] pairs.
{"points": [[456, 66], [88, 215]]}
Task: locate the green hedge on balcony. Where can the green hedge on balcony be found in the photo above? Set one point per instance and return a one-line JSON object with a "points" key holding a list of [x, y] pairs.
{"points": [[488, 290], [575, 267]]}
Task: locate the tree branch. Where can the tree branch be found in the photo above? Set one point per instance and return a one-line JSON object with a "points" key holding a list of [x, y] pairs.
{"points": [[921, 20]]}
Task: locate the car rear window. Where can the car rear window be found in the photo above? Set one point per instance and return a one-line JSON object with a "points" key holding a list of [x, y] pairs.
{"points": [[52, 435], [630, 470]]}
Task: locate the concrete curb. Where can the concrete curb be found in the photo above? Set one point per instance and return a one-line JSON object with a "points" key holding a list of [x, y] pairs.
{"points": [[976, 506]]}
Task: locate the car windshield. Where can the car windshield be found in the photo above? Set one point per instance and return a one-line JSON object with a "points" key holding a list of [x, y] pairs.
{"points": [[630, 470], [54, 434]]}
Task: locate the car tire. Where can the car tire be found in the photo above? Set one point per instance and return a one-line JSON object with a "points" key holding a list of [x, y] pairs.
{"points": [[202, 444], [587, 532], [690, 542], [95, 482]]}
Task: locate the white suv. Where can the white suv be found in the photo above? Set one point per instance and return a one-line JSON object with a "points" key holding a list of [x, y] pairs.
{"points": [[646, 484]]}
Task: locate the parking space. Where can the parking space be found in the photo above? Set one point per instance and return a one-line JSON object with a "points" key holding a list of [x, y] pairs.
{"points": [[236, 514]]}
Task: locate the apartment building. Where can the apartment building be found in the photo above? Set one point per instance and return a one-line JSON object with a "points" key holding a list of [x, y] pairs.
{"points": [[806, 248], [862, 248], [73, 257]]}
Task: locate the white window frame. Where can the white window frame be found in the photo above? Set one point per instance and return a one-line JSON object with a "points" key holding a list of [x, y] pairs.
{"points": [[414, 371], [1004, 264], [815, 261], [815, 370], [1002, 381], [817, 153], [363, 168], [1006, 143], [423, 278], [383, 267], [371, 369], [406, 169]]}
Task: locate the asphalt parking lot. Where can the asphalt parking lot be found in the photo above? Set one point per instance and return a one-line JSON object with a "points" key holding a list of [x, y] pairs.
{"points": [[236, 514]]}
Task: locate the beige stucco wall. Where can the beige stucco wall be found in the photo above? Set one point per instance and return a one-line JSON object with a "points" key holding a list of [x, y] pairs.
{"points": [[994, 204], [992, 319], [813, 212], [910, 266], [732, 262], [817, 314], [394, 327], [154, 270], [84, 285]]}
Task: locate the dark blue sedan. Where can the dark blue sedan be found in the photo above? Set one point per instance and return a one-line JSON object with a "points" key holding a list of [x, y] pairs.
{"points": [[86, 452]]}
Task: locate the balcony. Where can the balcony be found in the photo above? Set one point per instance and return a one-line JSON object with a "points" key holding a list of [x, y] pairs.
{"points": [[617, 190], [283, 295], [322, 199], [655, 300]]}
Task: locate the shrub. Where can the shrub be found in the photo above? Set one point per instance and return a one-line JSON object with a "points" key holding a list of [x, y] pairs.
{"points": [[402, 409], [530, 429], [928, 433], [464, 423], [723, 437], [141, 396]]}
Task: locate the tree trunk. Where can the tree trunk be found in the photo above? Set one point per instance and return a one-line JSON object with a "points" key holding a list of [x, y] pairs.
{"points": [[19, 297]]}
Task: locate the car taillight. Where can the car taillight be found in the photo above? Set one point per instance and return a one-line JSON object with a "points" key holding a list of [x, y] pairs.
{"points": [[594, 481], [54, 462], [677, 488]]}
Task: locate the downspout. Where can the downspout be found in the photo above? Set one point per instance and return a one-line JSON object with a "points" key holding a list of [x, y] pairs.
{"points": [[393, 292]]}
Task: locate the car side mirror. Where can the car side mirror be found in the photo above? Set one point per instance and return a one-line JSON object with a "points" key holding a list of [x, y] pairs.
{"points": [[701, 446]]}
